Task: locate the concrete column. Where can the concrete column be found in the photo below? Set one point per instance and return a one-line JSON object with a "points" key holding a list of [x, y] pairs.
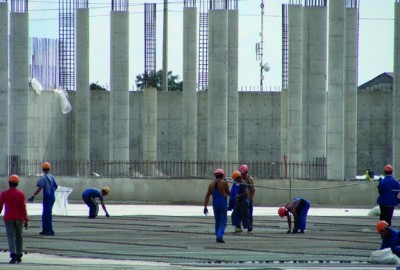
{"points": [[189, 114], [217, 85], [233, 85], [3, 88], [396, 91], [314, 82], [335, 114], [350, 94], [19, 85], [82, 104], [284, 123], [150, 124], [119, 86], [295, 125]]}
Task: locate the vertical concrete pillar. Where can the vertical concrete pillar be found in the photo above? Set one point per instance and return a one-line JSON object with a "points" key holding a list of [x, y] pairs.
{"points": [[284, 122], [119, 86], [3, 88], [295, 125], [233, 85], [350, 92], [19, 85], [314, 82], [189, 114], [82, 107], [335, 114], [150, 124], [396, 90], [218, 85]]}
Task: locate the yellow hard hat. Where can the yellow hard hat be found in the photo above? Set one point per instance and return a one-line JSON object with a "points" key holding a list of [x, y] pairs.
{"points": [[106, 190]]}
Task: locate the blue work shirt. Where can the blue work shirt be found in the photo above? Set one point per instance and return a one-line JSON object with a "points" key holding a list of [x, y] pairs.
{"points": [[93, 193], [48, 184], [387, 196], [391, 241]]}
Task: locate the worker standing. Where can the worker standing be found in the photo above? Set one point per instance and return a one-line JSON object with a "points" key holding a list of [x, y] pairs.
{"points": [[219, 190], [390, 237], [47, 183], [244, 170], [388, 189], [299, 209], [239, 202], [89, 197], [15, 217]]}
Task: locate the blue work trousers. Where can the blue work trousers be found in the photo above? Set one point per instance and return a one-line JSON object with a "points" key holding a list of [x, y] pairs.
{"points": [[47, 216], [300, 221], [240, 214], [93, 206], [220, 216]]}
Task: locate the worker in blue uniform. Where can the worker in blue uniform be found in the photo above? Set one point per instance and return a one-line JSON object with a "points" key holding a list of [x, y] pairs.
{"points": [[390, 237], [298, 207], [388, 189], [89, 197], [46, 183], [239, 203], [219, 190]]}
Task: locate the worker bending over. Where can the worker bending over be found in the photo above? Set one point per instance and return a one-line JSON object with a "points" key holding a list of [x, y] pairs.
{"points": [[299, 209], [390, 237], [89, 197]]}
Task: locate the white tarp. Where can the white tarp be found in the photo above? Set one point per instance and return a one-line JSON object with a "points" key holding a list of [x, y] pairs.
{"points": [[384, 256], [61, 204]]}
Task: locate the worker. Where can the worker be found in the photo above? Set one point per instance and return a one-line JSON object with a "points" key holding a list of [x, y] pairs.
{"points": [[46, 183], [369, 174], [298, 207], [390, 237], [388, 189], [89, 197], [239, 203], [15, 217], [219, 189], [244, 170]]}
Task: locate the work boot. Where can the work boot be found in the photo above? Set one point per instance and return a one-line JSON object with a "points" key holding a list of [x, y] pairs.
{"points": [[238, 230], [220, 240], [13, 258], [19, 258], [295, 231]]}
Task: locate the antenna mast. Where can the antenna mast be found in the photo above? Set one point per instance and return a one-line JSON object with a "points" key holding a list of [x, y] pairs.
{"points": [[260, 47]]}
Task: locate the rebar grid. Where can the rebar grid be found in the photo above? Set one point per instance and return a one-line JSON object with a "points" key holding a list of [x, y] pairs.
{"points": [[285, 46], [3, 1], [150, 38], [189, 3], [66, 45], [223, 4], [120, 5], [19, 6], [316, 3], [82, 4], [202, 78], [352, 3], [295, 2]]}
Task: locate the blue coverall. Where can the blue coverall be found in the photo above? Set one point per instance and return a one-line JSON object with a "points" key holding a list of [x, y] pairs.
{"points": [[240, 205], [300, 206], [392, 241], [220, 207], [89, 197], [387, 199], [48, 184]]}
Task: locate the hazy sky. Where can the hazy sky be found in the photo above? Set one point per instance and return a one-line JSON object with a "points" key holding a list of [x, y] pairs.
{"points": [[375, 39]]}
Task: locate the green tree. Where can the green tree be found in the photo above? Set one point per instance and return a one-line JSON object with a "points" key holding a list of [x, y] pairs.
{"points": [[155, 80], [96, 86]]}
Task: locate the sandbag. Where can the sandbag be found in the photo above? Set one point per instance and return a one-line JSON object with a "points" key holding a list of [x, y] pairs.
{"points": [[384, 256]]}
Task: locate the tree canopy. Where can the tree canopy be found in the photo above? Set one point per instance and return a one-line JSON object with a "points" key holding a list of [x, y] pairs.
{"points": [[155, 80]]}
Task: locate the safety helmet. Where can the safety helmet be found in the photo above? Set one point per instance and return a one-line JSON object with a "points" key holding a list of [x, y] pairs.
{"points": [[381, 225], [388, 168], [235, 175], [219, 171], [106, 190], [282, 211], [46, 166], [13, 178], [243, 168]]}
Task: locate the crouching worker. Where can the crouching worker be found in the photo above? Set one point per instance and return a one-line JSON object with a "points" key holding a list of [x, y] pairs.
{"points": [[219, 190], [390, 237], [239, 203], [299, 209], [89, 197], [15, 217]]}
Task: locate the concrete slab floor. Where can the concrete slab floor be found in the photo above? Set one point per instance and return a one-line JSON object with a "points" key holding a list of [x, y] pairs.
{"points": [[180, 237]]}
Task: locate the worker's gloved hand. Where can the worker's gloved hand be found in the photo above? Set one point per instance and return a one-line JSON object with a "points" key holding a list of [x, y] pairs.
{"points": [[289, 231], [107, 215], [205, 211], [31, 198], [26, 225]]}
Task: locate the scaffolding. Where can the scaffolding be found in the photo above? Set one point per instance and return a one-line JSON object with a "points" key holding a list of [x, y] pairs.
{"points": [[150, 38], [285, 47], [203, 45], [66, 45], [19, 6]]}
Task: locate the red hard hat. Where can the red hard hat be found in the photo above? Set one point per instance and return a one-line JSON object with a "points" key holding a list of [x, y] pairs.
{"points": [[388, 169], [243, 168], [282, 211], [13, 178], [219, 171], [381, 225]]}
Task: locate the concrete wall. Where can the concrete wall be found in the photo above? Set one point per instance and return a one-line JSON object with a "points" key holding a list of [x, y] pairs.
{"points": [[192, 191]]}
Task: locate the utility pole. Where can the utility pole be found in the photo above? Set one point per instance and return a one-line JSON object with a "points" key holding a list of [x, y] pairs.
{"points": [[165, 48]]}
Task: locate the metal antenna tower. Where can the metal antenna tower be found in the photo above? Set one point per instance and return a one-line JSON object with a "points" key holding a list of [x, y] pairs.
{"points": [[285, 46], [66, 43], [260, 48], [203, 45], [149, 38]]}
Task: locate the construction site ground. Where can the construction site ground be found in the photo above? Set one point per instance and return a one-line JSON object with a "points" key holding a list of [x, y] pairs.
{"points": [[181, 237]]}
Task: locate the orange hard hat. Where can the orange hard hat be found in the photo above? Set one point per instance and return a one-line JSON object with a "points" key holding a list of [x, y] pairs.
{"points": [[282, 211], [381, 225], [13, 178], [219, 171], [46, 165], [235, 175], [388, 168]]}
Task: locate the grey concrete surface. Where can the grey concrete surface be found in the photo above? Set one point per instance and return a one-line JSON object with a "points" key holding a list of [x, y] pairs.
{"points": [[180, 237]]}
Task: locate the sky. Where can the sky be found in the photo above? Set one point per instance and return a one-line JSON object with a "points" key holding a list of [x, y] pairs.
{"points": [[376, 37]]}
